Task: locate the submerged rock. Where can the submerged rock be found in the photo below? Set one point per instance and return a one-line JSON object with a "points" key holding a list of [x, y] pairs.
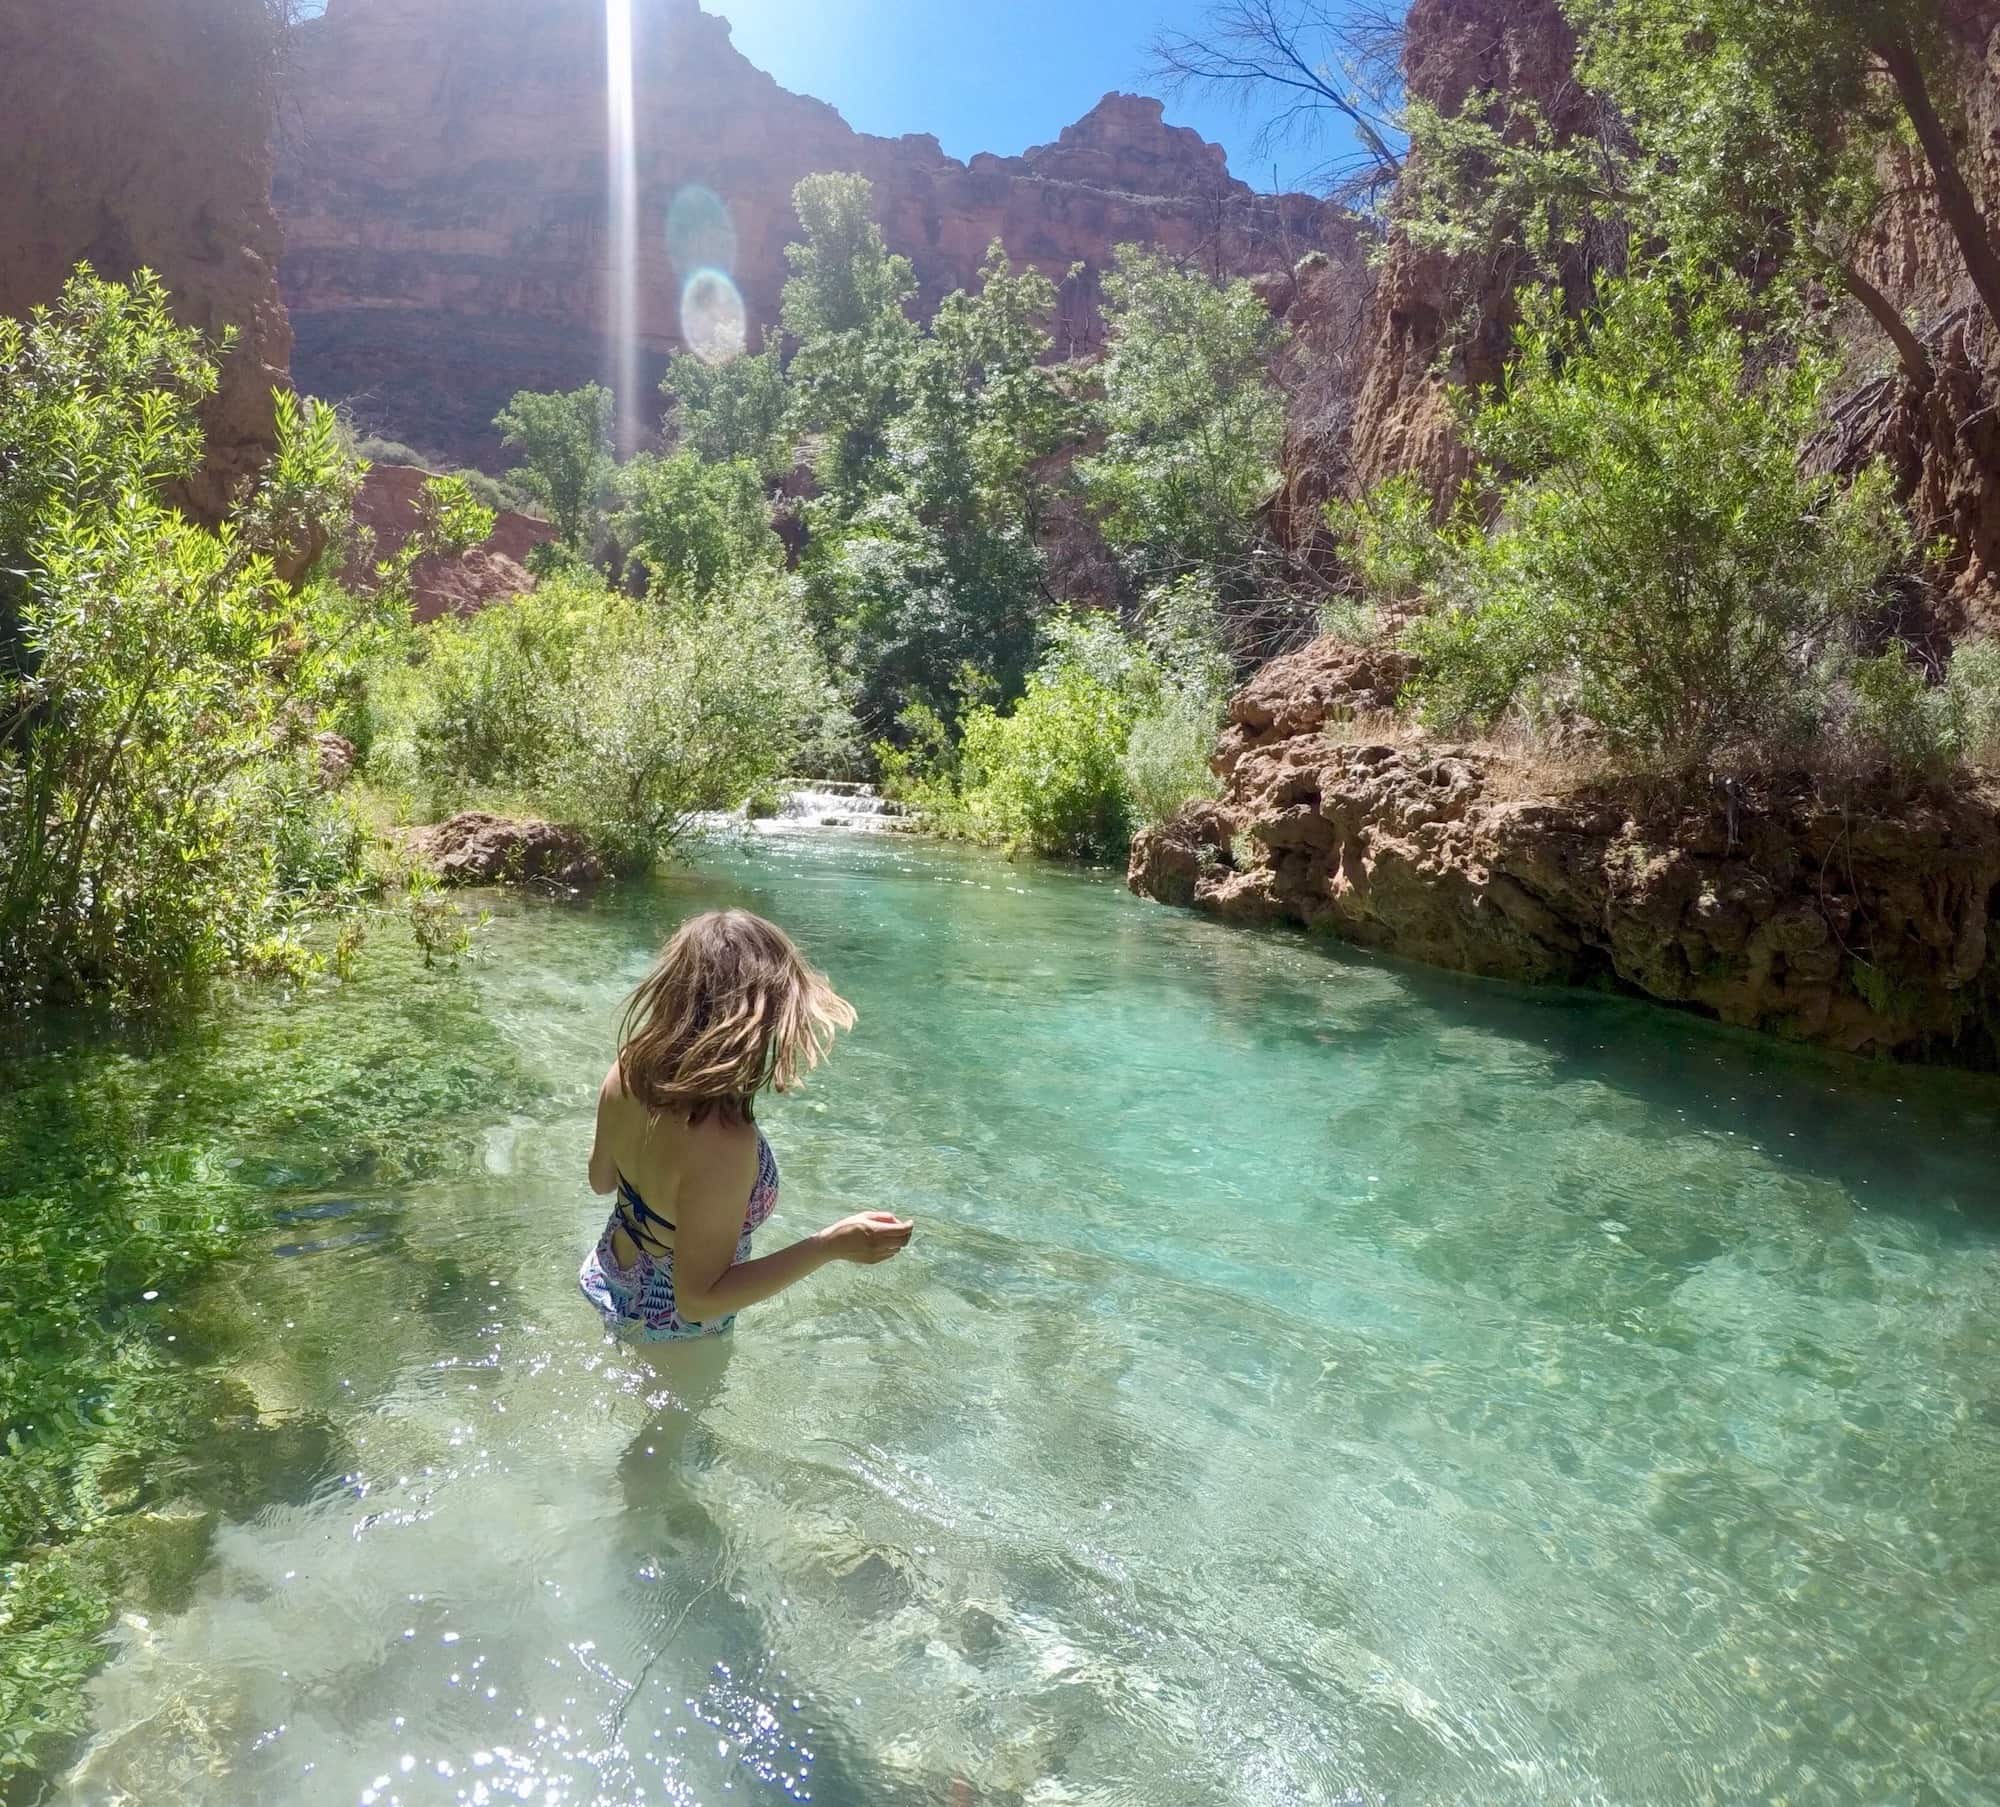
{"points": [[1857, 918], [478, 848]]}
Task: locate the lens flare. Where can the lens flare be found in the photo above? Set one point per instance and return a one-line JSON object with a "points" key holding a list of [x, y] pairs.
{"points": [[714, 324], [622, 136], [700, 233]]}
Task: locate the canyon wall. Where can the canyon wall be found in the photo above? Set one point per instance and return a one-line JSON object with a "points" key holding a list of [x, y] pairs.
{"points": [[443, 186], [1861, 915], [136, 133]]}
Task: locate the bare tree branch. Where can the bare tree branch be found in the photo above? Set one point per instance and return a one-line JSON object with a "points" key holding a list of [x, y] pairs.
{"points": [[1319, 68]]}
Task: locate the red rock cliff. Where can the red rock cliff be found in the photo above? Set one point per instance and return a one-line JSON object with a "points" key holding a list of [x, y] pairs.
{"points": [[444, 192], [137, 133], [1455, 50]]}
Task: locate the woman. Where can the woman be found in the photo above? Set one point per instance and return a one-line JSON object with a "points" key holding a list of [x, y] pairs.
{"points": [[730, 1009]]}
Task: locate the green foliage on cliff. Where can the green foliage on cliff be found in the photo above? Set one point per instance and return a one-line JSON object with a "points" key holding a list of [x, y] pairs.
{"points": [[159, 683], [1662, 568], [1896, 713], [565, 440], [1191, 420]]}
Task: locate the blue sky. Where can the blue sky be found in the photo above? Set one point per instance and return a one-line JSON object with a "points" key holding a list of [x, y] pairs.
{"points": [[984, 75]]}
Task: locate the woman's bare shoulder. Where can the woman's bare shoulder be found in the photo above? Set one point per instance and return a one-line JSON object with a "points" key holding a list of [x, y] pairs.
{"points": [[722, 1139]]}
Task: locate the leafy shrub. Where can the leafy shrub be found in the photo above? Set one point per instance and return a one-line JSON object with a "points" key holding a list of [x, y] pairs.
{"points": [[377, 450], [1396, 559], [1662, 568], [686, 707], [1192, 418], [624, 718], [1178, 694], [1166, 758], [495, 493], [1897, 717], [1973, 684], [159, 684], [465, 713], [1114, 731], [1049, 776], [704, 526], [1918, 728], [921, 768]]}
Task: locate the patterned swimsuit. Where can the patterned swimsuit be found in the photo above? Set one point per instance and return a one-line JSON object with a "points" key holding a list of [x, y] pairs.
{"points": [[637, 1302]]}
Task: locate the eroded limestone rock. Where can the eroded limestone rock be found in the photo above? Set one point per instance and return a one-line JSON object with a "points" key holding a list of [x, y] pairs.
{"points": [[1860, 918]]}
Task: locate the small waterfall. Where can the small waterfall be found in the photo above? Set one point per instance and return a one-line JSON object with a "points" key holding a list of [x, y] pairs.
{"points": [[828, 804]]}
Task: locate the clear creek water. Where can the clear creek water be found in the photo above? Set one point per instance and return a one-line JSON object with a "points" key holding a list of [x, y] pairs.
{"points": [[1312, 1382]]}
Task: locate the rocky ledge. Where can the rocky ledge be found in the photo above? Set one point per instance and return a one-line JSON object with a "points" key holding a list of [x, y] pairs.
{"points": [[477, 848], [1856, 917]]}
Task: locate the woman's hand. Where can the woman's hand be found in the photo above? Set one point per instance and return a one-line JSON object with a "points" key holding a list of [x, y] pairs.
{"points": [[867, 1237]]}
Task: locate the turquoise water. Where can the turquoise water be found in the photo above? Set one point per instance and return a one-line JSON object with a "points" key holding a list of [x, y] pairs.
{"points": [[1312, 1382]]}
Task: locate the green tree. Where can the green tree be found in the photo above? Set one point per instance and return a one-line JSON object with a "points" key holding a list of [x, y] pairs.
{"points": [[844, 305], [1192, 420], [1744, 135], [159, 683], [698, 525], [940, 569], [731, 410], [566, 441], [1662, 567]]}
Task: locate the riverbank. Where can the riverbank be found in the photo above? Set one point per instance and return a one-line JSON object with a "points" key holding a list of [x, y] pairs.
{"points": [[1854, 915], [136, 1161]]}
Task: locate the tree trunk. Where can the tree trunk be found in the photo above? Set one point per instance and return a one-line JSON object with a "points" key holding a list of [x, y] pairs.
{"points": [[1961, 211], [1916, 360]]}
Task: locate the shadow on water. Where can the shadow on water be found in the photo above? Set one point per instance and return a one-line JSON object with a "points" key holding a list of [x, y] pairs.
{"points": [[1857, 1122]]}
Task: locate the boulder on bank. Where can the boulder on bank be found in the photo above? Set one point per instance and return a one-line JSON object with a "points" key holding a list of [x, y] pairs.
{"points": [[1171, 858], [1864, 918], [478, 848]]}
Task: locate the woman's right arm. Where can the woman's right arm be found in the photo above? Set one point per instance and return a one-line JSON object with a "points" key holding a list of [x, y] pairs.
{"points": [[709, 1282]]}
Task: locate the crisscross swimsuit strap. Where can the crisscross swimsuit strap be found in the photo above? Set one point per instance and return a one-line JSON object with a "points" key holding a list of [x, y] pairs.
{"points": [[634, 1216]]}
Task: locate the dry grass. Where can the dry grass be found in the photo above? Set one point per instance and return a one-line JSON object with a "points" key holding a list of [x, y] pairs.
{"points": [[1519, 767]]}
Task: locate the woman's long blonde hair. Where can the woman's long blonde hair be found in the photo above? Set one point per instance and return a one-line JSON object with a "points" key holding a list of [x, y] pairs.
{"points": [[729, 1008]]}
